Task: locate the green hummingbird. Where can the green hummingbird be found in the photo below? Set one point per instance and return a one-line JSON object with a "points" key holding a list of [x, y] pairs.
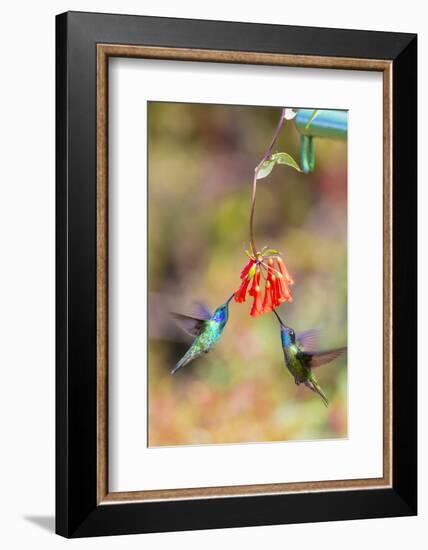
{"points": [[206, 329], [300, 357]]}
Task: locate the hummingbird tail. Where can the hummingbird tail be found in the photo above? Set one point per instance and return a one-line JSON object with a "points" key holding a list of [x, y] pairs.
{"points": [[315, 387], [183, 361]]}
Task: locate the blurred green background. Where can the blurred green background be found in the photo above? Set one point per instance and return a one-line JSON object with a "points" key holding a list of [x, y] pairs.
{"points": [[201, 163]]}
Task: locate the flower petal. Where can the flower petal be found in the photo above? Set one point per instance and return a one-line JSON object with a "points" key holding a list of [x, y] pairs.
{"points": [[289, 114]]}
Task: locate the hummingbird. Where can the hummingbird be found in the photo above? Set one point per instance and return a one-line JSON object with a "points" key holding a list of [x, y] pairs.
{"points": [[301, 358], [206, 329]]}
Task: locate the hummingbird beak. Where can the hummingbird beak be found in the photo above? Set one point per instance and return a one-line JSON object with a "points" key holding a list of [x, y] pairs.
{"points": [[279, 318], [229, 299]]}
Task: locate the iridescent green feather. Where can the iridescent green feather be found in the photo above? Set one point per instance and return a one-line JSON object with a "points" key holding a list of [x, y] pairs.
{"points": [[209, 333]]}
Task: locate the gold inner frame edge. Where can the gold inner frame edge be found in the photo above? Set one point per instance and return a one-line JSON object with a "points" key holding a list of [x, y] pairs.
{"points": [[104, 51]]}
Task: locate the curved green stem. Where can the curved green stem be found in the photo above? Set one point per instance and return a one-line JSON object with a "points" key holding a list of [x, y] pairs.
{"points": [[256, 171], [253, 205]]}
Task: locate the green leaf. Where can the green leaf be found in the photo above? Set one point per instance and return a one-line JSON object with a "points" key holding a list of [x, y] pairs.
{"points": [[313, 115], [266, 168], [271, 252], [278, 158], [285, 158]]}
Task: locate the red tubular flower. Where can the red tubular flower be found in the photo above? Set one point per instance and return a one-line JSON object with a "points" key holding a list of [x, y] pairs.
{"points": [[279, 295], [247, 276], [284, 271], [248, 266], [257, 308], [268, 299], [275, 301], [256, 283], [284, 294], [240, 294], [278, 281], [281, 280]]}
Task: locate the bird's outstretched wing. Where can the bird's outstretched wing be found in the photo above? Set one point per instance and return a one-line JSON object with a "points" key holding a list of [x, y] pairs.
{"points": [[309, 340], [201, 311], [318, 358], [192, 325]]}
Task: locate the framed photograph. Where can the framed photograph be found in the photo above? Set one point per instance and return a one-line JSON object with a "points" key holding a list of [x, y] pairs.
{"points": [[236, 274]]}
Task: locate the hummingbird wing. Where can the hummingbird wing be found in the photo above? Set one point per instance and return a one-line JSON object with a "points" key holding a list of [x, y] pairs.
{"points": [[192, 325], [318, 358], [202, 311], [309, 340]]}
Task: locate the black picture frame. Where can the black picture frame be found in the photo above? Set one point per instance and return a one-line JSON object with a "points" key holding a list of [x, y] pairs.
{"points": [[78, 513]]}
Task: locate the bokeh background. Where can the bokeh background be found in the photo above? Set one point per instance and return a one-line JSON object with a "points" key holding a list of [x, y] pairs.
{"points": [[201, 162]]}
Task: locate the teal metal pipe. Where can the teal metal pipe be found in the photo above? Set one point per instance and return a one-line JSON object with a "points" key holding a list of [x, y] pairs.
{"points": [[327, 124]]}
